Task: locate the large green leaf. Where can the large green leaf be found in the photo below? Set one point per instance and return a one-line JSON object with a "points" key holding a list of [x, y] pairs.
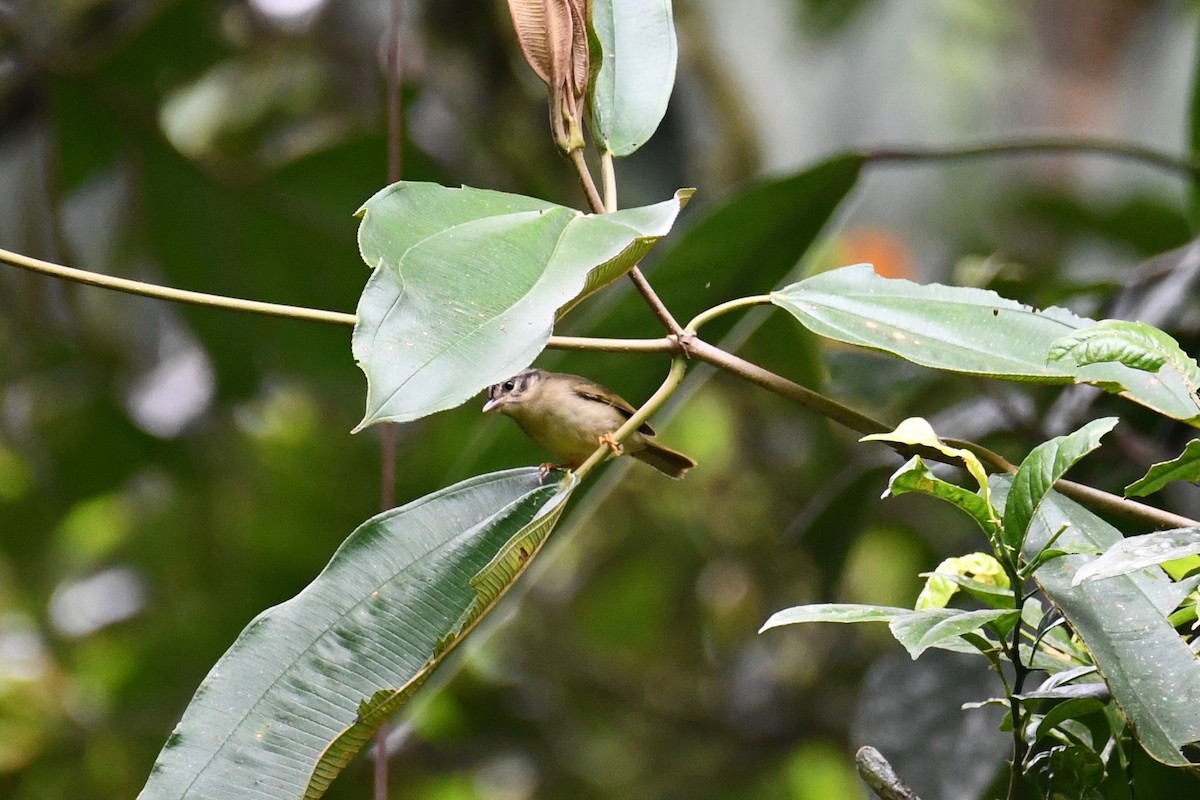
{"points": [[308, 681], [970, 331], [467, 283], [1153, 675], [633, 71], [1041, 469]]}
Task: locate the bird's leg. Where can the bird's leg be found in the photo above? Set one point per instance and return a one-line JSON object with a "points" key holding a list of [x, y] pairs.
{"points": [[546, 469], [607, 439]]}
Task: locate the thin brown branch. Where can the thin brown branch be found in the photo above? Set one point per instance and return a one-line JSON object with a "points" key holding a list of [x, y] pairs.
{"points": [[175, 295], [596, 203], [1033, 146], [857, 421]]}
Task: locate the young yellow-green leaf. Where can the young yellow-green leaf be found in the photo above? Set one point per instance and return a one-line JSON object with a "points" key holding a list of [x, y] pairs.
{"points": [[1184, 467], [1044, 465], [1139, 552], [916, 431], [975, 571], [308, 681], [970, 331], [633, 71], [467, 284], [914, 476]]}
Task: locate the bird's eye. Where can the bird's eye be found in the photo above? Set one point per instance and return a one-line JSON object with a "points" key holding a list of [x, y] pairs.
{"points": [[509, 386]]}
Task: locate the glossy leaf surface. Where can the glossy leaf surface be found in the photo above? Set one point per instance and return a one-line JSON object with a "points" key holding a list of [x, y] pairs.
{"points": [[303, 686], [1139, 552]]}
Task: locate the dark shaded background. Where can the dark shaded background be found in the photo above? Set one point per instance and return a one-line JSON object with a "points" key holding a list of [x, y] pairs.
{"points": [[166, 472]]}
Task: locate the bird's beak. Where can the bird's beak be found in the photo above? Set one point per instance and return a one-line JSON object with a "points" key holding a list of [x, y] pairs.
{"points": [[493, 404]]}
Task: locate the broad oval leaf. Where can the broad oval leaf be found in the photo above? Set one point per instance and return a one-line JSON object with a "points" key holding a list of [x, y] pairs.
{"points": [[1041, 469], [1153, 675], [308, 681], [633, 72], [467, 283], [970, 331], [1185, 467]]}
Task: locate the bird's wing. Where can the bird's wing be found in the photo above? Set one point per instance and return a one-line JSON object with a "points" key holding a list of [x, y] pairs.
{"points": [[598, 394]]}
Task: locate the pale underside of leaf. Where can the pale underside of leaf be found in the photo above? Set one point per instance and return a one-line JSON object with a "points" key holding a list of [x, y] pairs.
{"points": [[490, 584], [969, 331]]}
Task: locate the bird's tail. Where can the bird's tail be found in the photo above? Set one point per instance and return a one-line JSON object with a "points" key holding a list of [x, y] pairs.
{"points": [[664, 459]]}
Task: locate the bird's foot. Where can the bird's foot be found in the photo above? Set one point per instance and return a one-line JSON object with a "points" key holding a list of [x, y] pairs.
{"points": [[613, 444]]}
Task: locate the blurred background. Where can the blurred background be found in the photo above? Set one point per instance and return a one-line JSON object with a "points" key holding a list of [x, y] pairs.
{"points": [[167, 472]]}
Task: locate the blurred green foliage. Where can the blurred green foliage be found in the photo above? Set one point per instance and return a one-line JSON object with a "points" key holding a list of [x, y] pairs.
{"points": [[167, 472]]}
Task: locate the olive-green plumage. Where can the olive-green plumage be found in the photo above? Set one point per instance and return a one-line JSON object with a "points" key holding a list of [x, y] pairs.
{"points": [[569, 417]]}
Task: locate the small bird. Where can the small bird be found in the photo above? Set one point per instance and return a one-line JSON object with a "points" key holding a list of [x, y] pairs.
{"points": [[570, 417]]}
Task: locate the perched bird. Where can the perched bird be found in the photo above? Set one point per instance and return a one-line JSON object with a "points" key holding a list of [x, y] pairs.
{"points": [[570, 417]]}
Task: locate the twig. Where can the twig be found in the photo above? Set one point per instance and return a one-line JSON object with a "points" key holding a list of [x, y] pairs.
{"points": [[595, 202], [1189, 169], [176, 295], [668, 387], [662, 345], [608, 180], [879, 775], [698, 348], [598, 206], [857, 421]]}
